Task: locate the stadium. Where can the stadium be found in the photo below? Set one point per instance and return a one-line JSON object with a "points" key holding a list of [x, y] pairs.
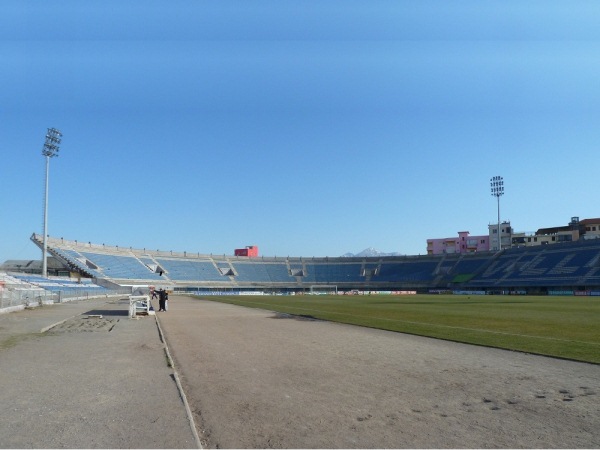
{"points": [[562, 269], [308, 379], [466, 350]]}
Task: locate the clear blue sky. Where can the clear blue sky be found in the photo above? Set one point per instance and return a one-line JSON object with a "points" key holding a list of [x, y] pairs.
{"points": [[308, 128]]}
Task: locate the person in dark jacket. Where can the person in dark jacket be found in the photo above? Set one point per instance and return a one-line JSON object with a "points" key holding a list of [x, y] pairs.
{"points": [[162, 296]]}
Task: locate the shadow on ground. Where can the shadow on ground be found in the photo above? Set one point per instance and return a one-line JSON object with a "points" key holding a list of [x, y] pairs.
{"points": [[294, 316], [107, 312]]}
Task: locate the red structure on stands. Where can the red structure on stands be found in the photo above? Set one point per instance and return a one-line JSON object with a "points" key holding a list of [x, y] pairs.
{"points": [[251, 251]]}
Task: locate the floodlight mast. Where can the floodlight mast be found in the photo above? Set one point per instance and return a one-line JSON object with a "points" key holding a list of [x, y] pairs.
{"points": [[50, 150], [497, 186]]}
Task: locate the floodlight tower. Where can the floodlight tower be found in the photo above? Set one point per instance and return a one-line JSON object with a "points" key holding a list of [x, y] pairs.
{"points": [[497, 186], [50, 150]]}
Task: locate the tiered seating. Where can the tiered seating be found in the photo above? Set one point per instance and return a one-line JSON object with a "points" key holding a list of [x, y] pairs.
{"points": [[497, 268], [75, 260], [578, 263], [407, 271], [460, 268], [278, 272], [190, 270], [258, 271], [61, 284], [121, 267], [551, 265], [296, 268], [369, 268], [334, 272], [224, 268], [470, 265], [15, 282], [569, 265], [252, 273], [593, 277], [266, 272]]}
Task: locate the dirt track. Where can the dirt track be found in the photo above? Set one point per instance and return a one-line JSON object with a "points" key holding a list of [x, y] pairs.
{"points": [[256, 379]]}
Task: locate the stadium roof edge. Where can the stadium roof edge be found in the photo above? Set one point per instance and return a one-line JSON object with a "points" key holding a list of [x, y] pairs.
{"points": [[110, 249]]}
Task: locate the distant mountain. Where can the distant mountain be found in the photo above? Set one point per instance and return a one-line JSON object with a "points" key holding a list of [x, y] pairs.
{"points": [[369, 252]]}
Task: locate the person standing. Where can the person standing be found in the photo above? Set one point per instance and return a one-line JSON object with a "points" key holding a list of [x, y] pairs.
{"points": [[161, 299]]}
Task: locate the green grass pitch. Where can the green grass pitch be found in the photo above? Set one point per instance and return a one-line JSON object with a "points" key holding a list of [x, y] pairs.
{"points": [[565, 327]]}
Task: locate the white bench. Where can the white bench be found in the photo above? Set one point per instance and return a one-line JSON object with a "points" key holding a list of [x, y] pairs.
{"points": [[138, 303]]}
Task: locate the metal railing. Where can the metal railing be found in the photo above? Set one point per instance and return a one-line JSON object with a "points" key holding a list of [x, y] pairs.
{"points": [[10, 297], [16, 297]]}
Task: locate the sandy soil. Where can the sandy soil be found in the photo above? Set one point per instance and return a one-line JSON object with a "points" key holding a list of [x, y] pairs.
{"points": [[257, 379]]}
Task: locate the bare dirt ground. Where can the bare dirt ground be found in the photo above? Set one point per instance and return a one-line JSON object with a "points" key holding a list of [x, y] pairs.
{"points": [[87, 382], [257, 379]]}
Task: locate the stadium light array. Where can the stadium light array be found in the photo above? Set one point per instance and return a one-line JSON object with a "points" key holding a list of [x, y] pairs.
{"points": [[50, 150], [497, 187]]}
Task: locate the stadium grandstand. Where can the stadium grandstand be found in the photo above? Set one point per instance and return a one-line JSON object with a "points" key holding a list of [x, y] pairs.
{"points": [[572, 267]]}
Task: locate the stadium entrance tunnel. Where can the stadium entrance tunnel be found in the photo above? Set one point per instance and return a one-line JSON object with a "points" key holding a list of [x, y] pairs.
{"points": [[156, 268]]}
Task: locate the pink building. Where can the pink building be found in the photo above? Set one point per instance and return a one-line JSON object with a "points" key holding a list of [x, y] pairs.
{"points": [[461, 244]]}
